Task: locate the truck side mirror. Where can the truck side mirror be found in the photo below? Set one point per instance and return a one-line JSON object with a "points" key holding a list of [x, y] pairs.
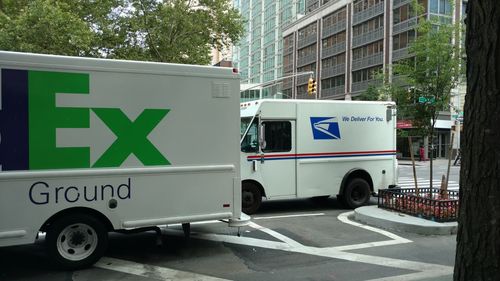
{"points": [[262, 136], [388, 114]]}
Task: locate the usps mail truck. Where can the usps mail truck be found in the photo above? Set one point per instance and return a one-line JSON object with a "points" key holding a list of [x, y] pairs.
{"points": [[89, 146], [305, 148]]}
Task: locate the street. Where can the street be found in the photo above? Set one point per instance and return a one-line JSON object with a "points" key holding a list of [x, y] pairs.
{"points": [[300, 239]]}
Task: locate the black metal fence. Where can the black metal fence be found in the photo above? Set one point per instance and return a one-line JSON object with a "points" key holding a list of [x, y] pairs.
{"points": [[436, 206]]}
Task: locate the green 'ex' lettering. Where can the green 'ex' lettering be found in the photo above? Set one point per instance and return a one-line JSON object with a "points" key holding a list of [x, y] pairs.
{"points": [[45, 117], [131, 137]]}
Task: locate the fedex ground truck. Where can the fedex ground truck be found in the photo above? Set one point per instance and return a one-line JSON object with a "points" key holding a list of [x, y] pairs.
{"points": [[89, 146], [316, 148]]}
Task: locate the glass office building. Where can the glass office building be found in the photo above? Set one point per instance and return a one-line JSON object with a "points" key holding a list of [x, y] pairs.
{"points": [[259, 54]]}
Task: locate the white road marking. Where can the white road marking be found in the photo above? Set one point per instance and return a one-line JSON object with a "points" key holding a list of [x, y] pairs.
{"points": [[423, 270], [275, 234], [150, 271], [344, 217], [426, 269], [288, 216], [408, 182]]}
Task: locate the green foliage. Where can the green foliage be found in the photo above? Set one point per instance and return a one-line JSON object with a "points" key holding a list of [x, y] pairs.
{"points": [[179, 31], [371, 94], [44, 26]]}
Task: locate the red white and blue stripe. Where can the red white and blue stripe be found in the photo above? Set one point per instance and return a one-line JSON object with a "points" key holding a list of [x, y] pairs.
{"points": [[293, 156]]}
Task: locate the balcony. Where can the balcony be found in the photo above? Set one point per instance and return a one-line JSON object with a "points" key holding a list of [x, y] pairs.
{"points": [[404, 26], [305, 96], [333, 29], [399, 3], [333, 71], [302, 79], [287, 84], [288, 50], [368, 13], [363, 85], [334, 92], [401, 54], [309, 40], [375, 59], [333, 50], [288, 68], [306, 60], [369, 37]]}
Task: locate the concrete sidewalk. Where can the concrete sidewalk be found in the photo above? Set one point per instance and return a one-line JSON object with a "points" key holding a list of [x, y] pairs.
{"points": [[435, 162], [392, 220]]}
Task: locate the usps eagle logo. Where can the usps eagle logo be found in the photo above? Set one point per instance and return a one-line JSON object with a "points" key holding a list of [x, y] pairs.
{"points": [[325, 128]]}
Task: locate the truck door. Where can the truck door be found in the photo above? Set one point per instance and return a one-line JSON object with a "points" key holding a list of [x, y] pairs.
{"points": [[277, 162]]}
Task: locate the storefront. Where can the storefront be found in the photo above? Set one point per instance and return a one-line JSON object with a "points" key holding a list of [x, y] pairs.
{"points": [[441, 140]]}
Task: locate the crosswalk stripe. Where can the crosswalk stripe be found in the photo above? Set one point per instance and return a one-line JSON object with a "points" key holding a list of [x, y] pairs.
{"points": [[409, 182]]}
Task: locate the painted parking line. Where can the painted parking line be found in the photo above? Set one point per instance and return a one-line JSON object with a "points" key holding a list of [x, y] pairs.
{"points": [[150, 271]]}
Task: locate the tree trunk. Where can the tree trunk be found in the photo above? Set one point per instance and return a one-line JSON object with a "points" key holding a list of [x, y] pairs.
{"points": [[478, 238]]}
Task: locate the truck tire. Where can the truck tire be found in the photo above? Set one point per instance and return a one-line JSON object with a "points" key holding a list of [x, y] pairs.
{"points": [[76, 241], [356, 193], [251, 197]]}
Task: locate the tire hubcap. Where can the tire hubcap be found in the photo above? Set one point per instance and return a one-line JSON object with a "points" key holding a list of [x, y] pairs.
{"points": [[77, 242], [358, 194]]}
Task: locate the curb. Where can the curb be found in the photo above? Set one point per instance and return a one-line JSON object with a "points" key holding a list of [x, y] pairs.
{"points": [[372, 215]]}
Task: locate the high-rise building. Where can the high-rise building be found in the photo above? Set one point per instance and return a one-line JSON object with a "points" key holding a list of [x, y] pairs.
{"points": [[259, 54], [346, 42]]}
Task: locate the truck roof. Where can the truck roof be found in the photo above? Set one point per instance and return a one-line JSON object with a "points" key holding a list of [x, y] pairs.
{"points": [[31, 60], [250, 108]]}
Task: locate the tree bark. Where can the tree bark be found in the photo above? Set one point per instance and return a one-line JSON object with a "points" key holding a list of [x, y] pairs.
{"points": [[478, 238]]}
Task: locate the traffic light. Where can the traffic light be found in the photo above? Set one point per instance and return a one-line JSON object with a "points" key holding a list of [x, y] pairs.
{"points": [[311, 86]]}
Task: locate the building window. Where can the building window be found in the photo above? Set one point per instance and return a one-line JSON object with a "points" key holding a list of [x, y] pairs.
{"points": [[368, 26], [362, 5], [442, 7], [334, 18], [338, 38], [309, 30], [368, 50], [337, 81], [309, 67], [403, 40], [366, 74], [304, 52], [333, 61]]}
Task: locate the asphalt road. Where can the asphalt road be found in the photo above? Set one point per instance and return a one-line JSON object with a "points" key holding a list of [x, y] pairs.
{"points": [[287, 240]]}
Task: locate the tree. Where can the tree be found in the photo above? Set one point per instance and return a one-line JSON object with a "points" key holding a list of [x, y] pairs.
{"points": [[371, 94], [432, 73], [43, 26], [180, 31], [478, 243]]}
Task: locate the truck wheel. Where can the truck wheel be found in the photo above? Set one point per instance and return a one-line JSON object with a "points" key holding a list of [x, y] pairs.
{"points": [[357, 193], [251, 197], [76, 241]]}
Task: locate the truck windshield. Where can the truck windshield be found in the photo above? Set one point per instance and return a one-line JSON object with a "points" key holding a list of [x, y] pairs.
{"points": [[250, 141]]}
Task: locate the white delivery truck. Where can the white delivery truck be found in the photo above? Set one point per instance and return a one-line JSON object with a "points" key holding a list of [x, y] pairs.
{"points": [[89, 146], [306, 148]]}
